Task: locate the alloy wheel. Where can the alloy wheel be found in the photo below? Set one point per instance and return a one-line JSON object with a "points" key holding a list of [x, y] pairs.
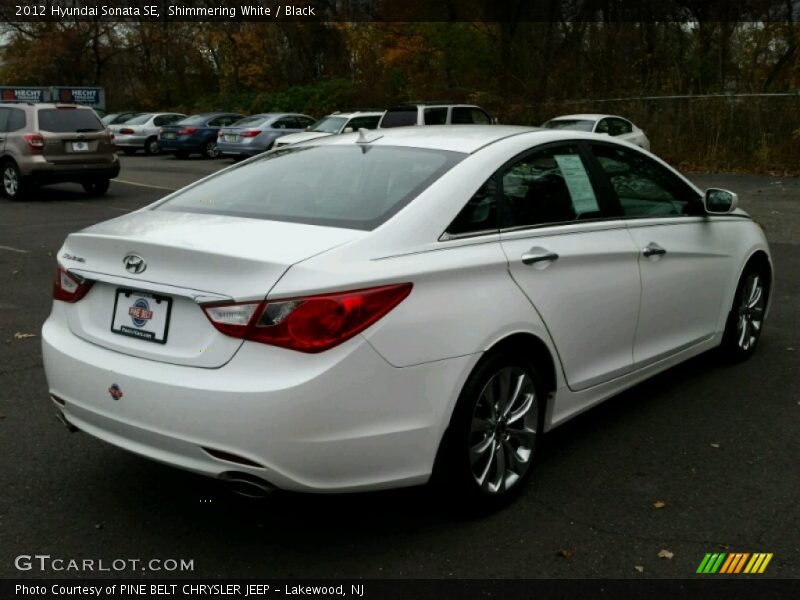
{"points": [[751, 312], [10, 181], [211, 150], [503, 431]]}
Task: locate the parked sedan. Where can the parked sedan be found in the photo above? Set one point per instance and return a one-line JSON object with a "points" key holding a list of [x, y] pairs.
{"points": [[141, 132], [372, 310], [256, 134], [334, 124], [606, 124], [195, 135], [117, 118]]}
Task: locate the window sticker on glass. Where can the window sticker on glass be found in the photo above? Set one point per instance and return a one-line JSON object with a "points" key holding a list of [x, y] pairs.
{"points": [[577, 180]]}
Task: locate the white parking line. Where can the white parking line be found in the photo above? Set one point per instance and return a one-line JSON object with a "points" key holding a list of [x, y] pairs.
{"points": [[145, 185], [10, 249]]}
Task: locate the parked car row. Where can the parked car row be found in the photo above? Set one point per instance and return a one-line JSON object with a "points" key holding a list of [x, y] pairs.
{"points": [[52, 143]]}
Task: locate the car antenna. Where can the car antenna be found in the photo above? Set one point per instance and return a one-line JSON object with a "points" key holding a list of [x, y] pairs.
{"points": [[366, 136]]}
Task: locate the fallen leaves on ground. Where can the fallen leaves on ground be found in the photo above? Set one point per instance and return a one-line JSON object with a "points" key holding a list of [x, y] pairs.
{"points": [[639, 568], [23, 336], [715, 445], [566, 553], [665, 554], [659, 504]]}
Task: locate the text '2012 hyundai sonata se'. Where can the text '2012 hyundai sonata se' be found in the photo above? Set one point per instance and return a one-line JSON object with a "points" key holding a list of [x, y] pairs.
{"points": [[367, 310]]}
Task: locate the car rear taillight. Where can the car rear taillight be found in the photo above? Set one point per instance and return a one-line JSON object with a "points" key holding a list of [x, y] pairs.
{"points": [[68, 286], [308, 324], [250, 133], [127, 131], [187, 131], [35, 141]]}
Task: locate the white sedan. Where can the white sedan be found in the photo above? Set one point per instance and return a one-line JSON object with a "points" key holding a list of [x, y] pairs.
{"points": [[379, 308], [611, 125]]}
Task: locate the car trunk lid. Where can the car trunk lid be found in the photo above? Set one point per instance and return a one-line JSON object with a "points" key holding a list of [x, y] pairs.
{"points": [[153, 310]]}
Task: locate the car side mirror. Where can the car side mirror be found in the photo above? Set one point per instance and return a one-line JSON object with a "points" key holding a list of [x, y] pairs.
{"points": [[308, 127], [720, 202], [495, 121], [348, 130]]}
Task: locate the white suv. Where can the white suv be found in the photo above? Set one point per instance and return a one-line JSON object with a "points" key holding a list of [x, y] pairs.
{"points": [[434, 113], [333, 124]]}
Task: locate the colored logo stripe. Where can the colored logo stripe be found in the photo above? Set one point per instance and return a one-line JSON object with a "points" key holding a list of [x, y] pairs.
{"points": [[734, 562]]}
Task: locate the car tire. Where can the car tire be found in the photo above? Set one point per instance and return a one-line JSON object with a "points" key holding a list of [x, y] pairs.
{"points": [[96, 187], [151, 147], [746, 318], [129, 151], [499, 415], [182, 154], [12, 184], [210, 150]]}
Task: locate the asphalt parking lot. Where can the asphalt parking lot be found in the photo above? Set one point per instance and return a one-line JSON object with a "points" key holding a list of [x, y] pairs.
{"points": [[716, 444]]}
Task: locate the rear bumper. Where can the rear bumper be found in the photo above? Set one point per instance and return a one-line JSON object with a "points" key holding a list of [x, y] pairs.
{"points": [[191, 145], [44, 172], [228, 149], [130, 141], [343, 420]]}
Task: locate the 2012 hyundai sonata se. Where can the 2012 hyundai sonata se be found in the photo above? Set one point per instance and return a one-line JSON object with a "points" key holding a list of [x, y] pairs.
{"points": [[367, 310]]}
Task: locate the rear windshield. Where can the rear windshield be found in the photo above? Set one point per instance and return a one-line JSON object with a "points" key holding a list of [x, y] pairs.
{"points": [[68, 120], [193, 120], [253, 121], [571, 124], [399, 117], [352, 186], [140, 119]]}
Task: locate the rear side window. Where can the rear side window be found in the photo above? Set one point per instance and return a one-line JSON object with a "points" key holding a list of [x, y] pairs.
{"points": [[16, 120], [400, 117], [572, 124], [465, 115], [436, 116], [68, 120], [350, 186]]}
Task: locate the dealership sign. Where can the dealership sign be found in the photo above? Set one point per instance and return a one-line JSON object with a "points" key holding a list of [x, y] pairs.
{"points": [[23, 94], [90, 96]]}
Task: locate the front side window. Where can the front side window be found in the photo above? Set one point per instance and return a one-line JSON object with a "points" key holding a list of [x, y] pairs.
{"points": [[549, 186], [643, 187], [364, 122], [353, 186]]}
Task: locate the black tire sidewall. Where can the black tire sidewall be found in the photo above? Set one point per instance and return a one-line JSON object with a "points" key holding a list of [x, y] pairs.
{"points": [[147, 147], [453, 472], [730, 345], [20, 182]]}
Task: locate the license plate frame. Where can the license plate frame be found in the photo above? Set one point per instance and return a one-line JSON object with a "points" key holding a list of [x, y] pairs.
{"points": [[124, 319]]}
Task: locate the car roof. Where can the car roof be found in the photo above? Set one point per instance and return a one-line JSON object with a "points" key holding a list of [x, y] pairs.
{"points": [[411, 105], [456, 138], [459, 138], [357, 113]]}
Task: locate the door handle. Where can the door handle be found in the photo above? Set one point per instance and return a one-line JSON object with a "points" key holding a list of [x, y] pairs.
{"points": [[653, 249], [538, 255]]}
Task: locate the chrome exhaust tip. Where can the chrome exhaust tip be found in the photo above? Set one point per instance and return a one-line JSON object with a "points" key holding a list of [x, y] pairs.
{"points": [[63, 420], [249, 486]]}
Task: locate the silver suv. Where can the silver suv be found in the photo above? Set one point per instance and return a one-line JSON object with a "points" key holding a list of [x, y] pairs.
{"points": [[54, 143], [434, 113]]}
